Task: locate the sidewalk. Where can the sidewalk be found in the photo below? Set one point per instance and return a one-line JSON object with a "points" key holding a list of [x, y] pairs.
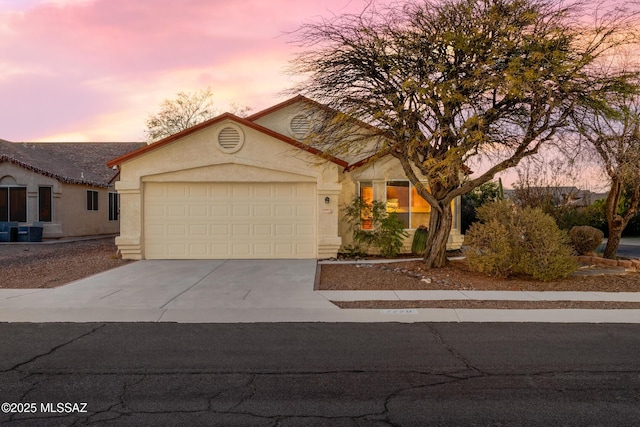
{"points": [[479, 296]]}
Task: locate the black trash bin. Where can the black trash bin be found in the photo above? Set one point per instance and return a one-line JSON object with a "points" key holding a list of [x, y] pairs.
{"points": [[35, 234], [13, 234]]}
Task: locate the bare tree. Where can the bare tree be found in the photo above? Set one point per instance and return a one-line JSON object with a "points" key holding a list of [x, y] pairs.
{"points": [[613, 133], [186, 110], [448, 81], [545, 183]]}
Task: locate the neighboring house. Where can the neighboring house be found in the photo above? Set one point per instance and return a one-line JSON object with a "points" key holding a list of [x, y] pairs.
{"points": [[66, 186], [251, 188], [560, 196]]}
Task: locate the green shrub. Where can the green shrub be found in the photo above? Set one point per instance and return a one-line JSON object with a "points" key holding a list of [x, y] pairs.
{"points": [[388, 236], [388, 231], [585, 239], [419, 243], [510, 240]]}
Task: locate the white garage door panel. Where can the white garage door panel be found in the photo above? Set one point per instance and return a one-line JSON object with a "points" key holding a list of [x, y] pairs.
{"points": [[230, 220]]}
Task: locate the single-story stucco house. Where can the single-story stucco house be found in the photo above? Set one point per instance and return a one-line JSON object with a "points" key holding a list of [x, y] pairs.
{"points": [[251, 187], [67, 187]]}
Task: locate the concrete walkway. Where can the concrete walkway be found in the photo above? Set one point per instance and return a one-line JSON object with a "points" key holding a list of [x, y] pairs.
{"points": [[236, 291]]}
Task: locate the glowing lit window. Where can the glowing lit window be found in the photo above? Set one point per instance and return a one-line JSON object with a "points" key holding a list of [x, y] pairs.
{"points": [[401, 198], [420, 210], [404, 200], [366, 194]]}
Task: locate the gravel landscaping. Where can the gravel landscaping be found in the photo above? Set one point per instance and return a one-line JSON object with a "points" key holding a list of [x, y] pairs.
{"points": [[51, 264], [411, 275]]}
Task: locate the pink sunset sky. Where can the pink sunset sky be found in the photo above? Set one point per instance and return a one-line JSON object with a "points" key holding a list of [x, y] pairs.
{"points": [[93, 70]]}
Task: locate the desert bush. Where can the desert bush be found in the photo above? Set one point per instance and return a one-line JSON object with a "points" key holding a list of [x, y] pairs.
{"points": [[389, 235], [510, 240], [419, 243], [388, 231], [487, 248], [585, 239]]}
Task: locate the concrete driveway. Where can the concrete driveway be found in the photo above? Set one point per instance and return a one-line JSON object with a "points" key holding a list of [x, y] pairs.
{"points": [[193, 290]]}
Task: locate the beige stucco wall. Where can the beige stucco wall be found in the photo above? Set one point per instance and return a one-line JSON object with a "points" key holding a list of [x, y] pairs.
{"points": [[197, 158], [363, 142], [77, 220], [280, 120], [70, 216]]}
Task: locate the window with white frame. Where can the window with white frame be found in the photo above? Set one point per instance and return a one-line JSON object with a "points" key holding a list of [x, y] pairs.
{"points": [[401, 198], [411, 208]]}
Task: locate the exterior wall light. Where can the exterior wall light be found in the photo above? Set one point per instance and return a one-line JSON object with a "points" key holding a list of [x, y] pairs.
{"points": [[327, 200]]}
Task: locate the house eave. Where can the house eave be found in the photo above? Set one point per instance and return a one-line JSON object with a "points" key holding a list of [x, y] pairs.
{"points": [[63, 179]]}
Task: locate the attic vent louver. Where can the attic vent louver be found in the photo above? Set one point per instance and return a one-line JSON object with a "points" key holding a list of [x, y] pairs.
{"points": [[230, 139], [300, 126]]}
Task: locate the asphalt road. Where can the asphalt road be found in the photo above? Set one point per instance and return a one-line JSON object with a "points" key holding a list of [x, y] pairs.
{"points": [[319, 374], [629, 250], [629, 247]]}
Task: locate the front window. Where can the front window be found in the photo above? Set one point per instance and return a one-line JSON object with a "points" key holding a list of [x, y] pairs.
{"points": [[13, 204], [411, 208]]}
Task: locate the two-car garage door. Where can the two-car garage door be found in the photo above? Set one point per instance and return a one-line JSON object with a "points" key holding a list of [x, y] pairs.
{"points": [[186, 220]]}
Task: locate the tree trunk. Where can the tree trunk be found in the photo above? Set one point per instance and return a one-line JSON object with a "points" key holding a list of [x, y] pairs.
{"points": [[615, 233], [615, 222], [440, 224]]}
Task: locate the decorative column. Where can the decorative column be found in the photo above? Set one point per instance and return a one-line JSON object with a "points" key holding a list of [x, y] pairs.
{"points": [[130, 239]]}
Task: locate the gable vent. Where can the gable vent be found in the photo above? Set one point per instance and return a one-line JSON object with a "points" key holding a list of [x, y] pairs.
{"points": [[300, 126], [230, 139]]}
